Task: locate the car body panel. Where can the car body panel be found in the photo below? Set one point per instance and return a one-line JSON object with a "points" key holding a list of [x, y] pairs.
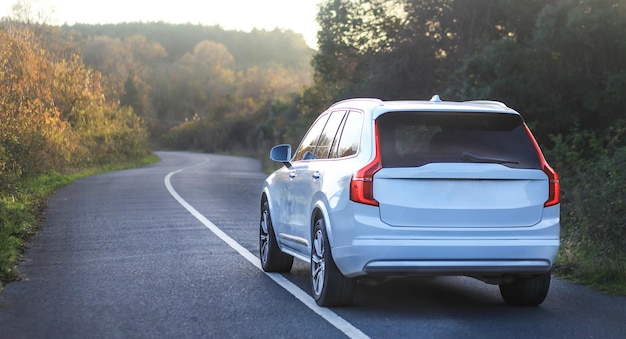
{"points": [[460, 195]]}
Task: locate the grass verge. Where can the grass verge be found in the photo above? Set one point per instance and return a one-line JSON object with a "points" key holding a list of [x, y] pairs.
{"points": [[592, 268]]}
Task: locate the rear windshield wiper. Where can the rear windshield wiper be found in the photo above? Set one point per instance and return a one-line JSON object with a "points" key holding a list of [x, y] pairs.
{"points": [[469, 157]]}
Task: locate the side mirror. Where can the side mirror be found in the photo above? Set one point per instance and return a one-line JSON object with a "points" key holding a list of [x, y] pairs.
{"points": [[281, 153]]}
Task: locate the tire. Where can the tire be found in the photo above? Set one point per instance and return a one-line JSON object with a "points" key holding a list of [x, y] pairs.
{"points": [[272, 258], [526, 291], [330, 287]]}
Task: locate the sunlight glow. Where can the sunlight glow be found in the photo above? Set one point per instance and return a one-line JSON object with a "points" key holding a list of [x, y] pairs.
{"points": [[243, 15]]}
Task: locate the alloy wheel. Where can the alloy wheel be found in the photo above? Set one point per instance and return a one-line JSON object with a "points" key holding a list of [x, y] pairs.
{"points": [[318, 263], [264, 237]]}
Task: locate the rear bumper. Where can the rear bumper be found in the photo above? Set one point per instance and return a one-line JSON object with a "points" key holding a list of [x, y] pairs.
{"points": [[374, 248], [458, 267], [446, 257]]}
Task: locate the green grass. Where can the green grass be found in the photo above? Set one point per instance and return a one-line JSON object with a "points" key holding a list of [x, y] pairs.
{"points": [[22, 209], [593, 278], [590, 267]]}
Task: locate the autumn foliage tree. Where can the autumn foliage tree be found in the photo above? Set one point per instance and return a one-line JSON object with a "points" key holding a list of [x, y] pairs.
{"points": [[34, 136]]}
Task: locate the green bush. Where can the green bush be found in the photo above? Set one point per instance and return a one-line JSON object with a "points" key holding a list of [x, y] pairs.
{"points": [[19, 213], [111, 136], [9, 243], [592, 171]]}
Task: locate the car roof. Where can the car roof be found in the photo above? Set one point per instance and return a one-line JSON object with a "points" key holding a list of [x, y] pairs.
{"points": [[379, 107]]}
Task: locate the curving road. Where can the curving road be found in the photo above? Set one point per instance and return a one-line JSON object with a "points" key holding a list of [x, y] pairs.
{"points": [[169, 251]]}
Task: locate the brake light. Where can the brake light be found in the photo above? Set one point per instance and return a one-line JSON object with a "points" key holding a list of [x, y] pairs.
{"points": [[554, 186], [362, 182]]}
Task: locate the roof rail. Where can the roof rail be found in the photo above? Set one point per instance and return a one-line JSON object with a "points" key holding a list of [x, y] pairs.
{"points": [[487, 102], [373, 100]]}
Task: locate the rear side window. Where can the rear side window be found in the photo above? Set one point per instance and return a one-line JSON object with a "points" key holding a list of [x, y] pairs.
{"points": [[348, 144], [328, 135], [309, 142], [318, 140], [411, 139]]}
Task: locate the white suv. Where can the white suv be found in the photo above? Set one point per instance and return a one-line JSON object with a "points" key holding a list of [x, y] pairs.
{"points": [[399, 188]]}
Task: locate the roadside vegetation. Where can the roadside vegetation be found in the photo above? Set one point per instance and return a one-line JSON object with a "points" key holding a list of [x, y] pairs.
{"points": [[593, 207], [55, 125], [73, 98]]}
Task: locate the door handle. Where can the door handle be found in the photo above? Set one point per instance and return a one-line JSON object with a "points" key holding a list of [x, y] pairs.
{"points": [[293, 174], [316, 175]]}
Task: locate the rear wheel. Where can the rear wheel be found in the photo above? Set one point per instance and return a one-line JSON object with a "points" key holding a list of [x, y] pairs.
{"points": [[330, 287], [526, 291], [272, 259]]}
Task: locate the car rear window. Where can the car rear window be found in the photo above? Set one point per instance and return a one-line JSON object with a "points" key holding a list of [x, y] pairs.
{"points": [[412, 139]]}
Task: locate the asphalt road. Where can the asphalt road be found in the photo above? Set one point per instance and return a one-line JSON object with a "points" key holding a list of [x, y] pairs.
{"points": [[169, 251]]}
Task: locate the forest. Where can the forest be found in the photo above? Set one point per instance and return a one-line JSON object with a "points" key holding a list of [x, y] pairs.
{"points": [[74, 97]]}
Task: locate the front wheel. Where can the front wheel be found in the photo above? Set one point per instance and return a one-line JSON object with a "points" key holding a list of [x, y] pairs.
{"points": [[272, 258], [330, 287], [526, 291]]}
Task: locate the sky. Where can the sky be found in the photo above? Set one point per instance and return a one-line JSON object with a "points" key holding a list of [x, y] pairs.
{"points": [[243, 15]]}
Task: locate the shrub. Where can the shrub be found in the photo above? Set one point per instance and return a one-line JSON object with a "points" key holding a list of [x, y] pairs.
{"points": [[592, 171]]}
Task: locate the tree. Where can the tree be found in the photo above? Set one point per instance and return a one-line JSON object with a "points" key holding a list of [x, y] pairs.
{"points": [[584, 45], [205, 80], [33, 135], [32, 12], [130, 97], [569, 73]]}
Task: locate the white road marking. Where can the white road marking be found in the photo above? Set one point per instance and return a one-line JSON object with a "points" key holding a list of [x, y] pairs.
{"points": [[328, 315]]}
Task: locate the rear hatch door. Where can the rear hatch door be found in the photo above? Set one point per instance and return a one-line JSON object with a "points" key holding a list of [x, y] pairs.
{"points": [[458, 169], [460, 195]]}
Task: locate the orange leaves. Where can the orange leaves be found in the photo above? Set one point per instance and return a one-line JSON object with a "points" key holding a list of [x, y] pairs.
{"points": [[50, 107], [32, 133]]}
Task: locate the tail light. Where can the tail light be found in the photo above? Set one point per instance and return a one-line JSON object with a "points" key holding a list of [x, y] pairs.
{"points": [[554, 186], [362, 182]]}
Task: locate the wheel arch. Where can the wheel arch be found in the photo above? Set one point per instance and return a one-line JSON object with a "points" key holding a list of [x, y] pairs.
{"points": [[320, 211], [265, 197]]}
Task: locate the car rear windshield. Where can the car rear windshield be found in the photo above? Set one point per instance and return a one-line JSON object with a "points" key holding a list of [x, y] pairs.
{"points": [[411, 139]]}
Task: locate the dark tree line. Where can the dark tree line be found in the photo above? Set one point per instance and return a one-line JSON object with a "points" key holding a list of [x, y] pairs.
{"points": [[258, 48], [560, 62]]}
